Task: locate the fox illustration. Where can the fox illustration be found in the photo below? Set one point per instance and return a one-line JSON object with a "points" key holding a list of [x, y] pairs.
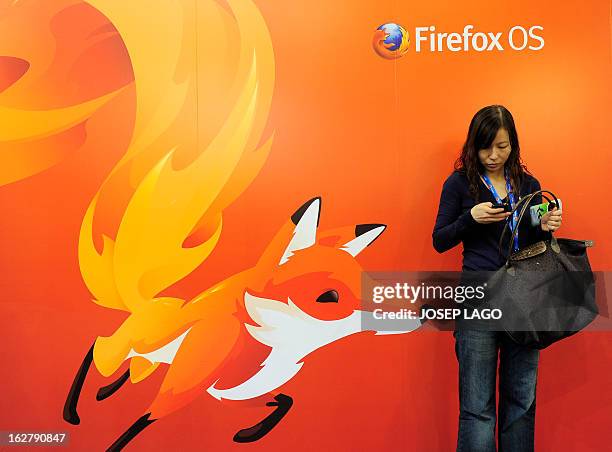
{"points": [[192, 93], [246, 336]]}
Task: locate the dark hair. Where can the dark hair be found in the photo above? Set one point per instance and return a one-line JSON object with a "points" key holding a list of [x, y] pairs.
{"points": [[483, 128]]}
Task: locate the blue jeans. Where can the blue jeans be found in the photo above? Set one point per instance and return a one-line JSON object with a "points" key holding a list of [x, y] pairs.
{"points": [[518, 369]]}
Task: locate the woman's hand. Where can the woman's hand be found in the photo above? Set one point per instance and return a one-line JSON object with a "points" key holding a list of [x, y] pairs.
{"points": [[551, 221], [483, 213]]}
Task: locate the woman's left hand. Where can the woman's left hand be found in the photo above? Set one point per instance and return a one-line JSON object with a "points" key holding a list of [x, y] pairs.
{"points": [[551, 221]]}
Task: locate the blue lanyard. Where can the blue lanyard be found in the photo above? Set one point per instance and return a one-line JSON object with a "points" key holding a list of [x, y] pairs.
{"points": [[514, 220]]}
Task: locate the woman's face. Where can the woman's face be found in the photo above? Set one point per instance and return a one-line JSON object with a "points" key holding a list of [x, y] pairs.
{"points": [[494, 157]]}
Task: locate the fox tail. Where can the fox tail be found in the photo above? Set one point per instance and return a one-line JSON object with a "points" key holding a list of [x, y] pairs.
{"points": [[172, 218]]}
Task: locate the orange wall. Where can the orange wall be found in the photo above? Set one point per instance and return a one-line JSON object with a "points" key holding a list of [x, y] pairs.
{"points": [[376, 139]]}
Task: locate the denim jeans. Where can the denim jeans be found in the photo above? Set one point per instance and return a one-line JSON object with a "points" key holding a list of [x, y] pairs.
{"points": [[518, 369]]}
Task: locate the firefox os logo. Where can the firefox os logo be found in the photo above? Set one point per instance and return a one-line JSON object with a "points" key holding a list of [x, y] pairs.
{"points": [[391, 41]]}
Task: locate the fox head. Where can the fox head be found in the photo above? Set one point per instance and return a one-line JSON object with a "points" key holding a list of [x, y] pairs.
{"points": [[305, 295], [316, 271]]}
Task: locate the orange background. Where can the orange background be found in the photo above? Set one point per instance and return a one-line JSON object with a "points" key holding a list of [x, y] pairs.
{"points": [[375, 139]]}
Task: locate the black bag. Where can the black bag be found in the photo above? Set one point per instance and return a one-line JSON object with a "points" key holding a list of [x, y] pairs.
{"points": [[545, 291]]}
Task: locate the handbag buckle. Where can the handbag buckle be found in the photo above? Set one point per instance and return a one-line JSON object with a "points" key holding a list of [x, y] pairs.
{"points": [[531, 250]]}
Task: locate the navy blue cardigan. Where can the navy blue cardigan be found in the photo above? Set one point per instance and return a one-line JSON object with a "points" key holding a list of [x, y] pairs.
{"points": [[455, 224]]}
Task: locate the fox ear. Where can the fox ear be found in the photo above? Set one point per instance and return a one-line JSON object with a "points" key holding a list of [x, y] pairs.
{"points": [[306, 221], [364, 235]]}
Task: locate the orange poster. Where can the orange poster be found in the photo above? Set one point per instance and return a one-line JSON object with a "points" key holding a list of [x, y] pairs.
{"points": [[192, 190]]}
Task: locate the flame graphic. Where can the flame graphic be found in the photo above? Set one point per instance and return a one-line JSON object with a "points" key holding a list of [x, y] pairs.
{"points": [[182, 180], [45, 94], [202, 72]]}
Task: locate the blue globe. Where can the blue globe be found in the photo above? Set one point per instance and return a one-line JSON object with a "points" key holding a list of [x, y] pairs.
{"points": [[396, 36]]}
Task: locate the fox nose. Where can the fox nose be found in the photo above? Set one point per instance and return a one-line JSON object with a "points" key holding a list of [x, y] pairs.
{"points": [[331, 296]]}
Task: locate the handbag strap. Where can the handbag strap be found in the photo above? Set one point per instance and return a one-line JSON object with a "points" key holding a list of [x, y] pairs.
{"points": [[526, 205], [526, 198], [525, 201]]}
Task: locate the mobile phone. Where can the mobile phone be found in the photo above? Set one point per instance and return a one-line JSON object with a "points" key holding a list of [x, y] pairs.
{"points": [[506, 207], [538, 211]]}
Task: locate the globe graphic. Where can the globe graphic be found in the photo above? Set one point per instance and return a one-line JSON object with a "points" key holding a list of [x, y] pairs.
{"points": [[391, 40]]}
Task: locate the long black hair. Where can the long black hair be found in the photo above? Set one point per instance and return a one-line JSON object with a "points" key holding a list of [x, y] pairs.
{"points": [[481, 133]]}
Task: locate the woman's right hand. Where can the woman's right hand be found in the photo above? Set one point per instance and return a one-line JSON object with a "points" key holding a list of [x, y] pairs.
{"points": [[483, 213]]}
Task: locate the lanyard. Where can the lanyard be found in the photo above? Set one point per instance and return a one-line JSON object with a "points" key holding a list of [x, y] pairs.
{"points": [[514, 220]]}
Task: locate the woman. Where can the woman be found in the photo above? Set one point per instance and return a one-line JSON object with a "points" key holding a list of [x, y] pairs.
{"points": [[489, 171]]}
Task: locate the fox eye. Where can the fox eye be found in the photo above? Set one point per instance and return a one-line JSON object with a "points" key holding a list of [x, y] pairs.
{"points": [[331, 296]]}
